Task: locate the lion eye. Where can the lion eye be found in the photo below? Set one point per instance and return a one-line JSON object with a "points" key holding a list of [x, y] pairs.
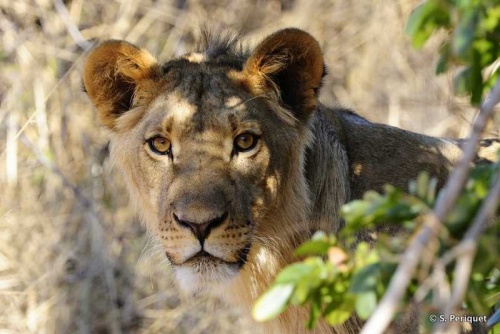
{"points": [[245, 142], [160, 145]]}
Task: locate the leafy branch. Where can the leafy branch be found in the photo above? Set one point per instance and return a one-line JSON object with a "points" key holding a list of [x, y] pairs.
{"points": [[336, 283], [449, 263], [473, 43]]}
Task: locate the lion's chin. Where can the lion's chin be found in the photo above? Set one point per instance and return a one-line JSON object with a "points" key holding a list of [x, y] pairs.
{"points": [[198, 274]]}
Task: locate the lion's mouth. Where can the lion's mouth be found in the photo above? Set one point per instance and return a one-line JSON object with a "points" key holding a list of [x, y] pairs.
{"points": [[203, 257], [204, 267]]}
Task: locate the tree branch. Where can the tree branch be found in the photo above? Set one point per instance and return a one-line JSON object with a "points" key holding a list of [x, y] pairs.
{"points": [[468, 247], [73, 30], [388, 306]]}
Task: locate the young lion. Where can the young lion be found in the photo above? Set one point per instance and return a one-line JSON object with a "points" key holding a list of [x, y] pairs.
{"points": [[233, 162]]}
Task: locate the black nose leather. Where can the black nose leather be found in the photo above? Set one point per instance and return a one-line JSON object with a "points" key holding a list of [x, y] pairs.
{"points": [[201, 230]]}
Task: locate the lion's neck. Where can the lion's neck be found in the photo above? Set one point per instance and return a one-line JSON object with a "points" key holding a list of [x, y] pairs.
{"points": [[256, 277], [327, 172]]}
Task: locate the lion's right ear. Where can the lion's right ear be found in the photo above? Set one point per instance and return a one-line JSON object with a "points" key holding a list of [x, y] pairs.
{"points": [[119, 76]]}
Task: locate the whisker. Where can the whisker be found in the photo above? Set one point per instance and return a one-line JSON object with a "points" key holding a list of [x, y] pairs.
{"points": [[248, 100], [152, 247]]}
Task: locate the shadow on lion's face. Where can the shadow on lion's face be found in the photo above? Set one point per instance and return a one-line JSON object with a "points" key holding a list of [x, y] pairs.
{"points": [[209, 146], [208, 167], [207, 176]]}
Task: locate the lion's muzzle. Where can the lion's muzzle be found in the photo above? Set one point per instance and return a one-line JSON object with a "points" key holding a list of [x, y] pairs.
{"points": [[201, 229], [206, 229]]}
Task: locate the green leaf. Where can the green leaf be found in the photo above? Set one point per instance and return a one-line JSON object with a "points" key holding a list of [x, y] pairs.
{"points": [[364, 255], [315, 313], [365, 304], [308, 283], [416, 26], [484, 47], [313, 247], [354, 211], [273, 302], [372, 196], [464, 35], [492, 19], [302, 291], [365, 279], [443, 62], [477, 302], [431, 192], [425, 19], [294, 273], [422, 183], [462, 81], [491, 81], [494, 319], [416, 19], [319, 235], [476, 82], [338, 311]]}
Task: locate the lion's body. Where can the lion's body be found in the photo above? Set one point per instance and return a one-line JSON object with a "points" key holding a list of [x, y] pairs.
{"points": [[335, 175], [233, 162]]}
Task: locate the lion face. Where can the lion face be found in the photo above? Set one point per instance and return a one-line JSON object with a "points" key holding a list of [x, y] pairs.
{"points": [[208, 147], [202, 169]]}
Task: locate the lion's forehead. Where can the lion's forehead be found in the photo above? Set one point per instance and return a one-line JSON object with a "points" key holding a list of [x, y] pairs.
{"points": [[200, 100], [204, 83], [176, 116]]}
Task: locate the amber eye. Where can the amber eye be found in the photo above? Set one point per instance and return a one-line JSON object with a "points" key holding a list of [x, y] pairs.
{"points": [[160, 145], [245, 142]]}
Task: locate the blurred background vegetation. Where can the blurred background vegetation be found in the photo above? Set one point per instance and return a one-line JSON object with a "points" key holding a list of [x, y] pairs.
{"points": [[73, 256]]}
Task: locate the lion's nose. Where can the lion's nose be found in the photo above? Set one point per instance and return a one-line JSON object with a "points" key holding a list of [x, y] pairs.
{"points": [[201, 230]]}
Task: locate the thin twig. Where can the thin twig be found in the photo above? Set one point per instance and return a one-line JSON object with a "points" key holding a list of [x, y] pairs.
{"points": [[73, 30], [95, 224], [486, 212], [468, 247], [388, 306], [52, 91], [42, 159]]}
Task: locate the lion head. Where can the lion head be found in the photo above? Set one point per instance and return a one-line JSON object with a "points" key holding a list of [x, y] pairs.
{"points": [[211, 144]]}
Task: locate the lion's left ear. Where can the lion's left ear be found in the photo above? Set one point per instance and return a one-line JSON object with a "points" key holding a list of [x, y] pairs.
{"points": [[288, 64]]}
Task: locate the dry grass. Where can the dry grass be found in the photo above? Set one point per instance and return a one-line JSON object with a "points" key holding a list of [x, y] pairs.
{"points": [[73, 257]]}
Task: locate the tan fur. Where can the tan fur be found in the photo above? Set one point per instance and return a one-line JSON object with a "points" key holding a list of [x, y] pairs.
{"points": [[308, 160], [117, 73], [288, 52]]}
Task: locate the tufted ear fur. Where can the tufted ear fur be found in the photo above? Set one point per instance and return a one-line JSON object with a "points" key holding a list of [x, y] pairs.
{"points": [[289, 65], [119, 76]]}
